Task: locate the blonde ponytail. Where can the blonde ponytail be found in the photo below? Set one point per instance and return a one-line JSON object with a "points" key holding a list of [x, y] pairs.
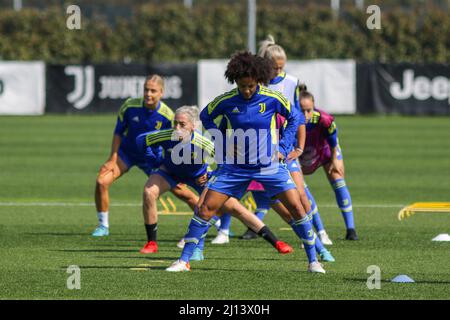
{"points": [[270, 50]]}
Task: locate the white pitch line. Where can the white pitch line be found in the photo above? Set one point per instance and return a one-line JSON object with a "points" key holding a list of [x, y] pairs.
{"points": [[63, 204], [89, 204]]}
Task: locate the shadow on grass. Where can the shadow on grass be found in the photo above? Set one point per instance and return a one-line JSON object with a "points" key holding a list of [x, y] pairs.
{"points": [[194, 268], [175, 241], [389, 281], [173, 258], [140, 257], [109, 267], [63, 234], [95, 250], [149, 268], [163, 268], [57, 234]]}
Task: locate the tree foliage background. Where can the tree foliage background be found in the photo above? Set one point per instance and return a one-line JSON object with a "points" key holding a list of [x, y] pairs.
{"points": [[169, 32]]}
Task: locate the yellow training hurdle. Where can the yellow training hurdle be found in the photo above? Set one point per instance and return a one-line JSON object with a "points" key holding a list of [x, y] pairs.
{"points": [[414, 208]]}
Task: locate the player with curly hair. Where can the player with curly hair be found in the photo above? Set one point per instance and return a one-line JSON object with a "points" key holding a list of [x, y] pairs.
{"points": [[253, 151]]}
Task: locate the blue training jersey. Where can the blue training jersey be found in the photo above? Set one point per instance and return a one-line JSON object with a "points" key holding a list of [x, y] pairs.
{"points": [[256, 118], [134, 119], [186, 160]]}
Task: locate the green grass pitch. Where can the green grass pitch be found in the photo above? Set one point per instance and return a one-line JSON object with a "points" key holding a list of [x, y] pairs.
{"points": [[48, 166]]}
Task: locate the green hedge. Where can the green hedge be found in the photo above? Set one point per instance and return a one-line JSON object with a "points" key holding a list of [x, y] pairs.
{"points": [[174, 33]]}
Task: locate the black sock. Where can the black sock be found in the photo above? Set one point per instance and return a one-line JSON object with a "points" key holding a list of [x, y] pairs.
{"points": [[268, 235], [151, 231]]}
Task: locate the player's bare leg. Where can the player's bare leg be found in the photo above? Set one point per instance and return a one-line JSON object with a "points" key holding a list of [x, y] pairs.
{"points": [[334, 170], [182, 192], [291, 200], [238, 211], [297, 176], [155, 186], [279, 208], [211, 202], [108, 173]]}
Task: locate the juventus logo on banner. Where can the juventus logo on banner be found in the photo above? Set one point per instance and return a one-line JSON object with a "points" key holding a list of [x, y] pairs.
{"points": [[92, 88], [84, 88]]}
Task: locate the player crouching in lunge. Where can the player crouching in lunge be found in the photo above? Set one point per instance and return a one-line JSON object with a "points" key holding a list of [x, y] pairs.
{"points": [[136, 116]]}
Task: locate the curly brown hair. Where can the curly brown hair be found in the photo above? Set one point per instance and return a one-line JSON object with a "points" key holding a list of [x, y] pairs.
{"points": [[245, 64]]}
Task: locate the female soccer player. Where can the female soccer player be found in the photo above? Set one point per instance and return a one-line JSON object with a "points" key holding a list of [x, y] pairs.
{"points": [[250, 111], [322, 150], [288, 86], [136, 116], [185, 152]]}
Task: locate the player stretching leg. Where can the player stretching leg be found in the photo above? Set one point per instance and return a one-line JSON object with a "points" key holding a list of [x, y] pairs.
{"points": [[136, 116], [251, 109], [322, 149], [184, 161], [288, 86]]}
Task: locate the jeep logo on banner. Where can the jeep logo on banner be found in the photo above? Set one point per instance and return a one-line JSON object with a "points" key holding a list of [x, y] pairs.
{"points": [[403, 89], [421, 88], [104, 87]]}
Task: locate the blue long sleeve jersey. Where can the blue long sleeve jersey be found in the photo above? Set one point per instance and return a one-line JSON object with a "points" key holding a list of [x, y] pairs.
{"points": [[134, 119], [256, 118], [186, 160]]}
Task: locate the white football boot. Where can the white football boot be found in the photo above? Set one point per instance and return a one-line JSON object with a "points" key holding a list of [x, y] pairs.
{"points": [[323, 236], [221, 238], [179, 266], [316, 267]]}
